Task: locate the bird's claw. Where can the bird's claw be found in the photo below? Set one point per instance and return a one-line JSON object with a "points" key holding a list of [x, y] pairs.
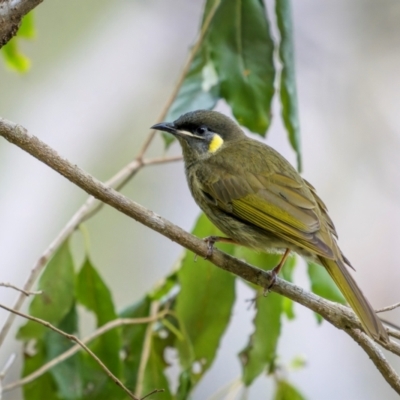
{"points": [[210, 240], [267, 290]]}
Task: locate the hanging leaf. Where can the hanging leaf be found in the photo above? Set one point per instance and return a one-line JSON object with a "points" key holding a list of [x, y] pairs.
{"points": [[288, 91], [204, 306], [96, 297], [260, 353], [285, 391], [13, 58], [58, 286], [242, 48], [68, 374], [199, 91], [43, 387]]}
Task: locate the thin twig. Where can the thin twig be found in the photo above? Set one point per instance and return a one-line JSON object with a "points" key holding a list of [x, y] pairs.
{"points": [[25, 292], [146, 349], [377, 357], [388, 308], [182, 76], [89, 208], [393, 332], [74, 349], [152, 392], [79, 342]]}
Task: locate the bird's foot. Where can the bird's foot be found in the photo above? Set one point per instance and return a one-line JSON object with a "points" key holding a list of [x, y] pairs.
{"points": [[274, 274], [210, 240]]}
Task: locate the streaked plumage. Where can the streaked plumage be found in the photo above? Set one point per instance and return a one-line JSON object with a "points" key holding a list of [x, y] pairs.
{"points": [[253, 195]]}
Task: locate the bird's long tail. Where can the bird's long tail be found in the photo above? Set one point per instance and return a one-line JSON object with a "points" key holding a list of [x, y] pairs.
{"points": [[355, 297]]}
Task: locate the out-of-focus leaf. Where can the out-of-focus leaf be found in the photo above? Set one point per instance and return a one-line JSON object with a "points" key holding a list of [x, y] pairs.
{"points": [[57, 284], [96, 297], [154, 377], [43, 387], [68, 374], [288, 92], [204, 305], [260, 352], [27, 28], [242, 49], [97, 385], [287, 274], [285, 391], [165, 287], [323, 285], [298, 363], [133, 339], [185, 385], [14, 59], [199, 91]]}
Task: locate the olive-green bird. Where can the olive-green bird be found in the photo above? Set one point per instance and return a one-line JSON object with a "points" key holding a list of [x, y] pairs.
{"points": [[255, 197]]}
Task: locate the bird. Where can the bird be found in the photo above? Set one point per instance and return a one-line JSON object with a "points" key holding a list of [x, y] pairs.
{"points": [[254, 196]]}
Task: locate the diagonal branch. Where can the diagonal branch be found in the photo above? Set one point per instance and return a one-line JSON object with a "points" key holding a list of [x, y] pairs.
{"points": [[88, 209], [11, 13], [79, 342], [339, 316], [74, 349]]}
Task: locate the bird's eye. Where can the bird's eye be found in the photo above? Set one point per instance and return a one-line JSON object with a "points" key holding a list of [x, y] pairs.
{"points": [[201, 130]]}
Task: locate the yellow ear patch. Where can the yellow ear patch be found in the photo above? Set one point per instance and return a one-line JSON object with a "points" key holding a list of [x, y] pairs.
{"points": [[215, 143]]}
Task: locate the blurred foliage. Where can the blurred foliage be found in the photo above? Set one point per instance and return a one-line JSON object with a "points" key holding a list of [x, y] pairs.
{"points": [[235, 62], [14, 59]]}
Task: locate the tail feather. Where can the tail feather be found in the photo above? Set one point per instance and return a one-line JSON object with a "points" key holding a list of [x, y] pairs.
{"points": [[355, 297]]}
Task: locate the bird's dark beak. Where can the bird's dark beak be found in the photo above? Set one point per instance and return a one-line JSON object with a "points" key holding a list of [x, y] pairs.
{"points": [[165, 127]]}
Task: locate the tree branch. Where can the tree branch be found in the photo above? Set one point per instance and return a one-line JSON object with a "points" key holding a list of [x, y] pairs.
{"points": [[87, 210], [74, 349], [27, 293], [79, 342], [11, 13], [339, 316]]}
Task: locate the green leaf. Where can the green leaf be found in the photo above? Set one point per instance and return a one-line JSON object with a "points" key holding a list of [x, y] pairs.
{"points": [[287, 274], [68, 374], [204, 305], [200, 90], [260, 352], [27, 28], [154, 377], [242, 48], [163, 289], [14, 59], [43, 387], [133, 339], [96, 297], [323, 285], [285, 391], [58, 286], [288, 91]]}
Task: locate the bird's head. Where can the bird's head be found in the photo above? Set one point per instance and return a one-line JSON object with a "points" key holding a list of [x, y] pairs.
{"points": [[202, 133]]}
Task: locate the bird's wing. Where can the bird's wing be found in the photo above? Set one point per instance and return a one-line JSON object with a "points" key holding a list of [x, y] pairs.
{"points": [[281, 204]]}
